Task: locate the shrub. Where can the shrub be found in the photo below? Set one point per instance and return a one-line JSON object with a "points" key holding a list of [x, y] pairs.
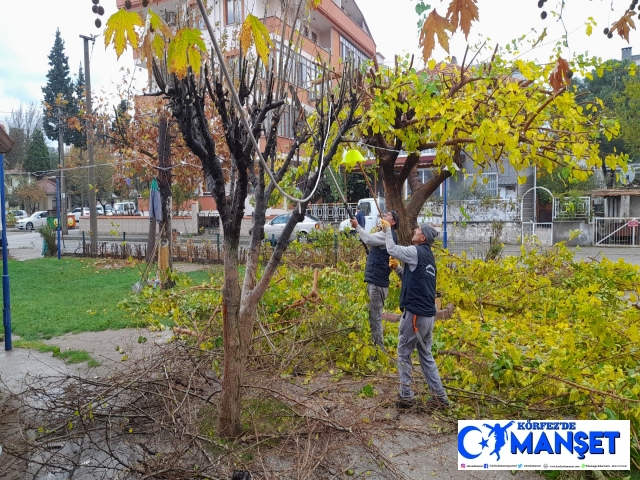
{"points": [[49, 238]]}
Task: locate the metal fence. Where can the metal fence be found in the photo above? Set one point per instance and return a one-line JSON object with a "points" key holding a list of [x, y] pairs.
{"points": [[541, 233], [570, 208], [327, 252], [616, 231], [330, 212], [471, 242]]}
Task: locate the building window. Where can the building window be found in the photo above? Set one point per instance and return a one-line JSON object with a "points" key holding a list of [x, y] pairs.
{"points": [[485, 184], [306, 73], [285, 127], [348, 51], [490, 181], [234, 11]]}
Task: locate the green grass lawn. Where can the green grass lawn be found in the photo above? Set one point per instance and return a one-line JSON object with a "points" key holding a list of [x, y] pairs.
{"points": [[51, 297]]}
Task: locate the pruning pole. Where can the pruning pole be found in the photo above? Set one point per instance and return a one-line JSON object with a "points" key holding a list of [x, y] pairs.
{"points": [[344, 201], [375, 197]]}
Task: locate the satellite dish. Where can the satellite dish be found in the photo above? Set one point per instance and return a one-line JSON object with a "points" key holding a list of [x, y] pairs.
{"points": [[627, 177]]}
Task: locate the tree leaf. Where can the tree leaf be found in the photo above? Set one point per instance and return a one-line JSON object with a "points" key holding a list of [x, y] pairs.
{"points": [[624, 24], [253, 30], [157, 25], [540, 38], [462, 13], [435, 25], [560, 75], [186, 51], [422, 7], [121, 30]]}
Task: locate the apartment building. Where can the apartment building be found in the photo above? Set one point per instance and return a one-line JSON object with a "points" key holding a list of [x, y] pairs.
{"points": [[336, 31]]}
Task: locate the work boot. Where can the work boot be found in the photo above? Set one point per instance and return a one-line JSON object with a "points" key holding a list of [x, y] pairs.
{"points": [[434, 404], [405, 403]]}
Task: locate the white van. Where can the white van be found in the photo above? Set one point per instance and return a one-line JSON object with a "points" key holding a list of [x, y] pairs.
{"points": [[124, 208], [371, 214]]}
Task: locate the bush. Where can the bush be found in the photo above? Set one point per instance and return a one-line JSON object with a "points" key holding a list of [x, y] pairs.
{"points": [[49, 238]]}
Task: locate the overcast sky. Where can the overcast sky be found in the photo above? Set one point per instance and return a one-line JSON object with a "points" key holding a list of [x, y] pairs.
{"points": [[27, 34]]}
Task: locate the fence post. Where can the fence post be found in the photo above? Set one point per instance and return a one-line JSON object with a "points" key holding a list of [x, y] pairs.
{"points": [[335, 249], [218, 244], [124, 237]]}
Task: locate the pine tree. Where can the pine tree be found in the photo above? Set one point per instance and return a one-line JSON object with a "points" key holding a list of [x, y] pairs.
{"points": [[37, 158], [76, 133], [58, 84]]}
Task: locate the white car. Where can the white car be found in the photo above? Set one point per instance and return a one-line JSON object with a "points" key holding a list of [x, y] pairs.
{"points": [[36, 220], [18, 214], [273, 229], [80, 212]]}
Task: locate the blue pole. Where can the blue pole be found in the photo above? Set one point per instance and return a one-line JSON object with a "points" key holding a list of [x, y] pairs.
{"points": [[58, 205], [6, 298], [444, 221]]}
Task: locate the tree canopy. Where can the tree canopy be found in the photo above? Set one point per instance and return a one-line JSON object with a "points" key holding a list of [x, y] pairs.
{"points": [[60, 103], [496, 112], [22, 122], [37, 157]]}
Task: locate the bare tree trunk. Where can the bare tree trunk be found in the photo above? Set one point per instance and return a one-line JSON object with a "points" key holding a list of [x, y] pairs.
{"points": [[165, 260], [230, 399]]}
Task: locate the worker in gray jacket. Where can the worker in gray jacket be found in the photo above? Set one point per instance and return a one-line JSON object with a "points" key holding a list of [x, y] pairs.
{"points": [[417, 301], [376, 273]]}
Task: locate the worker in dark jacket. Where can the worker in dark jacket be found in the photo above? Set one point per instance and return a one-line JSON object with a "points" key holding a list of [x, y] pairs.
{"points": [[360, 216], [376, 273], [417, 300]]}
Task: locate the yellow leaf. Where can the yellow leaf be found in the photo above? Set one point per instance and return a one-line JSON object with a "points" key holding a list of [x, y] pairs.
{"points": [[157, 24], [254, 31], [158, 46], [186, 51], [589, 30], [434, 25], [121, 30]]}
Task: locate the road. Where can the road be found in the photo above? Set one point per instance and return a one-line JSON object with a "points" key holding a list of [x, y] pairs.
{"points": [[26, 245]]}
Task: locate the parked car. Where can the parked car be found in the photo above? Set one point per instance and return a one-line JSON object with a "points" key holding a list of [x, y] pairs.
{"points": [[108, 210], [99, 210], [36, 220], [124, 208], [80, 212], [273, 229], [18, 214]]}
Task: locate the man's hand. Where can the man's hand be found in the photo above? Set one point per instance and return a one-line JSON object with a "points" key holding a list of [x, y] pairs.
{"points": [[393, 263], [354, 222], [384, 225]]}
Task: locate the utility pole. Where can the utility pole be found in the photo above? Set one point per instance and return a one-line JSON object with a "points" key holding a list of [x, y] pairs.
{"points": [[93, 219], [63, 192]]}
